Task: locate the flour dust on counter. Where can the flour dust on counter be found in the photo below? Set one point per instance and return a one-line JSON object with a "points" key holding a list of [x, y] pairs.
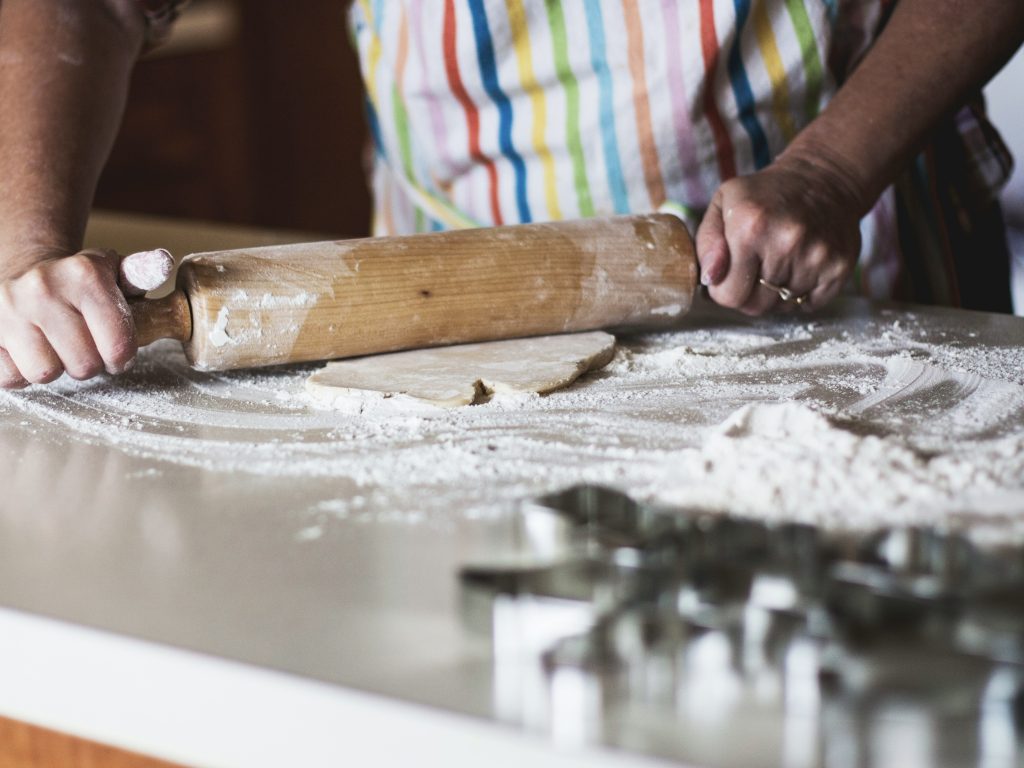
{"points": [[883, 418]]}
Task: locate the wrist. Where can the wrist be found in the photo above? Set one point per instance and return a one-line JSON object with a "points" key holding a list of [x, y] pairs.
{"points": [[830, 170], [18, 256]]}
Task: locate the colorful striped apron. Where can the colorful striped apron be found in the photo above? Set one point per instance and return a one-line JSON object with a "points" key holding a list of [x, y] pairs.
{"points": [[504, 111]]}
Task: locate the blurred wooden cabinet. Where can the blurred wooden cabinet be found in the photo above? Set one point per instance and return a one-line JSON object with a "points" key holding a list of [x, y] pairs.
{"points": [[253, 114]]}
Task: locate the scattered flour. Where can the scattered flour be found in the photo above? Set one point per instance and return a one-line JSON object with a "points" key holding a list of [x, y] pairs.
{"points": [[302, 299], [789, 461], [219, 333], [851, 425]]}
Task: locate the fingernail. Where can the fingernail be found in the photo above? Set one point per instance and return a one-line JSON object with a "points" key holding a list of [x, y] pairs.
{"points": [[705, 279]]}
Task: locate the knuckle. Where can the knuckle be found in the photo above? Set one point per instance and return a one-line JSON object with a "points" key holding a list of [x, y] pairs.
{"points": [[10, 381], [43, 374], [752, 224], [10, 377], [84, 270], [122, 353], [840, 270], [836, 278], [818, 259], [85, 369], [36, 283], [789, 236]]}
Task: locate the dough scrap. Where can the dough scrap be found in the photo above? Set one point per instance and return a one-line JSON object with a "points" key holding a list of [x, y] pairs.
{"points": [[467, 374]]}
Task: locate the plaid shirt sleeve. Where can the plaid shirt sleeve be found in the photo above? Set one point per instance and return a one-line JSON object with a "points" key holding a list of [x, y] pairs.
{"points": [[990, 163], [160, 16]]}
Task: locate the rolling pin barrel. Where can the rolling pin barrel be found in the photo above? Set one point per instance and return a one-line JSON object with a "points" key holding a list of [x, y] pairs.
{"points": [[318, 301]]}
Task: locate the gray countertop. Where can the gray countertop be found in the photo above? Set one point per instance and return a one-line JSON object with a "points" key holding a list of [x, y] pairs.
{"points": [[233, 565]]}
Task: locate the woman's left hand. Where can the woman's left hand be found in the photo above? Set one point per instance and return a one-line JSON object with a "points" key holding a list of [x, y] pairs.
{"points": [[794, 225]]}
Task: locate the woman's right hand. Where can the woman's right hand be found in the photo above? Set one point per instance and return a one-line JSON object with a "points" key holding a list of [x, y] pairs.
{"points": [[66, 313]]}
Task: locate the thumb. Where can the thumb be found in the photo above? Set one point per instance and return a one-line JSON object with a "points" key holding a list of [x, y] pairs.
{"points": [[109, 258], [712, 248]]}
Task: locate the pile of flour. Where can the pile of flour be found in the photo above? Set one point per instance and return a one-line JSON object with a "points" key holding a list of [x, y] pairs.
{"points": [[851, 426], [789, 461]]}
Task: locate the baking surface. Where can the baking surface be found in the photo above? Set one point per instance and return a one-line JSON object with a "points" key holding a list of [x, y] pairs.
{"points": [[935, 414], [226, 513]]}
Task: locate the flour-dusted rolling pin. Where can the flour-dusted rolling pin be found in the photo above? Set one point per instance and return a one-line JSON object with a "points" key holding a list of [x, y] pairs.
{"points": [[319, 301]]}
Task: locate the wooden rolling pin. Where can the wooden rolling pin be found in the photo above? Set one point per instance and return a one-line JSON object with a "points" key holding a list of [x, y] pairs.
{"points": [[319, 301]]}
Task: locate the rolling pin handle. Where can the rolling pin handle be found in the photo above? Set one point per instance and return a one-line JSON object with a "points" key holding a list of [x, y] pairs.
{"points": [[166, 318]]}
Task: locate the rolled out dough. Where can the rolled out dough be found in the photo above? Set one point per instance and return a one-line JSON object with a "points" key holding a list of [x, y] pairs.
{"points": [[467, 373]]}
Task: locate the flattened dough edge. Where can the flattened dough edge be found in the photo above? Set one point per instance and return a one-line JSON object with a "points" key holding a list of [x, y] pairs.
{"points": [[467, 373]]}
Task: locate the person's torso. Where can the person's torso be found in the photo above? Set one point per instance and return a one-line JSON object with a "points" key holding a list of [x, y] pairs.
{"points": [[505, 111]]}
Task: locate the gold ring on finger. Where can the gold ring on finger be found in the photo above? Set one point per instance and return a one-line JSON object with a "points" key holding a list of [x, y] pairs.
{"points": [[784, 293]]}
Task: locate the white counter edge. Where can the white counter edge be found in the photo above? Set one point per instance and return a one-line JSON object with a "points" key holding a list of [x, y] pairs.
{"points": [[194, 709]]}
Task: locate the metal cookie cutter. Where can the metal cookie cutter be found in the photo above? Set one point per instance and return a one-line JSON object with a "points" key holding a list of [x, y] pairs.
{"points": [[619, 607]]}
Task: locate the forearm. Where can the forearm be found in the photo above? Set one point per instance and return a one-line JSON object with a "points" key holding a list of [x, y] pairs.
{"points": [[64, 72], [930, 57]]}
